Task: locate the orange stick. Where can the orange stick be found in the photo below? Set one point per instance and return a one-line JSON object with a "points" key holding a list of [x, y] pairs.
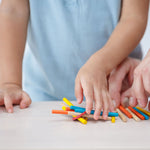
{"points": [[71, 113], [59, 112], [125, 111], [135, 112], [68, 109]]}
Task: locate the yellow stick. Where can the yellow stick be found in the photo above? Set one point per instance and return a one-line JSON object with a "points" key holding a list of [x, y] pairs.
{"points": [[136, 118], [113, 119], [144, 111], [86, 115], [121, 115], [70, 104]]}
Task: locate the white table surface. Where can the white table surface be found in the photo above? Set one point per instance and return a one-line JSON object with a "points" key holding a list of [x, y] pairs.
{"points": [[36, 128]]}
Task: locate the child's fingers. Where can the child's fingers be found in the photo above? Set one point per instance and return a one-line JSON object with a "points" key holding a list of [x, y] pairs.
{"points": [[89, 96], [111, 104], [26, 100], [139, 91], [78, 91], [98, 103], [8, 103], [105, 104]]}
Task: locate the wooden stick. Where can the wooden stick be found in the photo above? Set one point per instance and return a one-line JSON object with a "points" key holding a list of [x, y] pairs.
{"points": [[121, 115], [74, 114], [136, 118]]}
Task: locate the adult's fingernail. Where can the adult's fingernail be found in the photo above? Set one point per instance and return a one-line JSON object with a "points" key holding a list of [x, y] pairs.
{"points": [[131, 101], [141, 103], [126, 102]]}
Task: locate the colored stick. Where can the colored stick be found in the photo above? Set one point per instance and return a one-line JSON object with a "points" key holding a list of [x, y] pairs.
{"points": [[146, 117], [82, 120], [143, 110], [121, 115], [81, 110], [136, 113], [136, 118], [113, 119], [71, 113], [66, 108], [75, 118], [125, 111]]}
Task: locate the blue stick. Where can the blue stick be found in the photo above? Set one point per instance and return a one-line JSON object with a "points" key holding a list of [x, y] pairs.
{"points": [[146, 117], [81, 110]]}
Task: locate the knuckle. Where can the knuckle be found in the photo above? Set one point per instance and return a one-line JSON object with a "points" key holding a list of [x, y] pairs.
{"points": [[88, 95]]}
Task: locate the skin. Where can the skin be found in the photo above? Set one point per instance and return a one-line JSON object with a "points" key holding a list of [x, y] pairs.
{"points": [[137, 75], [14, 18], [91, 80], [121, 79]]}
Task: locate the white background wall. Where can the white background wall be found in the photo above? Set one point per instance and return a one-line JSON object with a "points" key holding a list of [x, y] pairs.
{"points": [[146, 39]]}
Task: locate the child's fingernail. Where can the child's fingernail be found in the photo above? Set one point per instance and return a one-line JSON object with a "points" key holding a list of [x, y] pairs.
{"points": [[114, 103], [131, 101], [24, 105], [105, 116], [9, 110], [125, 102], [96, 117], [78, 99]]}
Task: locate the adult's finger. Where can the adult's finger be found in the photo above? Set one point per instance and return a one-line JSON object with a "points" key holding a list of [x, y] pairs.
{"points": [[128, 98], [8, 103], [116, 79], [138, 89], [78, 91], [146, 78], [25, 101]]}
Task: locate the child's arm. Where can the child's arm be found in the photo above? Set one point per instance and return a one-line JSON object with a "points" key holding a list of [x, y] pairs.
{"points": [[14, 16], [92, 77], [126, 35]]}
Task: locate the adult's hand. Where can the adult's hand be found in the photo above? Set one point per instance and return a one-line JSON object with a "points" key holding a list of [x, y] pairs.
{"points": [[141, 83], [120, 80]]}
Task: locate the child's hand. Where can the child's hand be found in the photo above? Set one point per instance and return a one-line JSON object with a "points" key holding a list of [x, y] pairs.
{"points": [[12, 94], [92, 81]]}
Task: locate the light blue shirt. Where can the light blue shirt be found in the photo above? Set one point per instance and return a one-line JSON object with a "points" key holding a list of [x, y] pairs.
{"points": [[62, 35]]}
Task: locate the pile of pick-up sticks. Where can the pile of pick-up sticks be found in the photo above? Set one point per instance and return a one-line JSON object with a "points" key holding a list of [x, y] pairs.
{"points": [[79, 113]]}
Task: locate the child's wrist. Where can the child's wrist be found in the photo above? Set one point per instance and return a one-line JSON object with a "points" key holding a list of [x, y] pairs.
{"points": [[9, 84], [104, 63]]}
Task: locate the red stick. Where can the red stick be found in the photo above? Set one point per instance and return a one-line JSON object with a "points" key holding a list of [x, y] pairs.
{"points": [[136, 113], [74, 118]]}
